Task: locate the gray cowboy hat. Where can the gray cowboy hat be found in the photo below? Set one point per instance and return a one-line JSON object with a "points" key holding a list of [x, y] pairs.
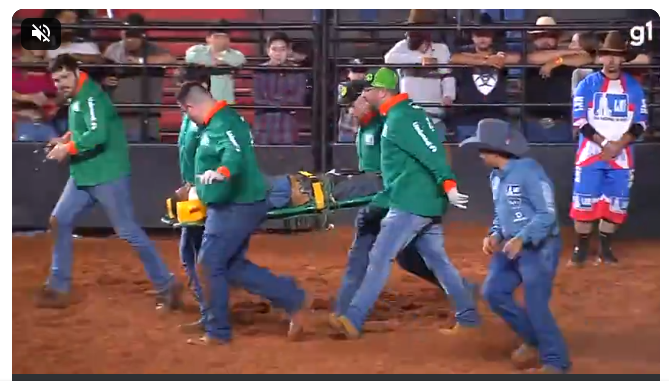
{"points": [[497, 135]]}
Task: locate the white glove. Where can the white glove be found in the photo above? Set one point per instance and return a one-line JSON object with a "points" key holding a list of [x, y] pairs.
{"points": [[210, 176], [457, 199]]}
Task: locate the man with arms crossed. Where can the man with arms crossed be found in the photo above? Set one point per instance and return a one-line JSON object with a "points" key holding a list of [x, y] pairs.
{"points": [[99, 173]]}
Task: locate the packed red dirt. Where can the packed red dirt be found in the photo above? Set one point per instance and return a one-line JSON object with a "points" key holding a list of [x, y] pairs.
{"points": [[610, 316]]}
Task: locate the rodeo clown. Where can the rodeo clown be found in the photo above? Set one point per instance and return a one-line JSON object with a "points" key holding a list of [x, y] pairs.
{"points": [[418, 185], [610, 112], [233, 194], [524, 244]]}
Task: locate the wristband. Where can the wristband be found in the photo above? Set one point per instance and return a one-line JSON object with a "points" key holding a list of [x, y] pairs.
{"points": [[605, 142]]}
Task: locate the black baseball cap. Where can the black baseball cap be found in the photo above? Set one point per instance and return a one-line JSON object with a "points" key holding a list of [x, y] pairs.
{"points": [[349, 91], [135, 19], [357, 61]]}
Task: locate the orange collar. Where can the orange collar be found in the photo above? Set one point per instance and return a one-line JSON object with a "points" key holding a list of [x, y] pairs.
{"points": [[365, 119], [210, 114], [390, 103], [83, 77]]}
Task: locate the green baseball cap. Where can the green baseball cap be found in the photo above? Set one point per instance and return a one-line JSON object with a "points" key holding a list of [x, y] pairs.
{"points": [[384, 78]]}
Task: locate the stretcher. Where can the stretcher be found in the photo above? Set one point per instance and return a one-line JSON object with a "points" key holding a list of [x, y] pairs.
{"points": [[290, 196]]}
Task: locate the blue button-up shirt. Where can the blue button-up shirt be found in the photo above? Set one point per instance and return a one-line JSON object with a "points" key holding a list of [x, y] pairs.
{"points": [[524, 202]]}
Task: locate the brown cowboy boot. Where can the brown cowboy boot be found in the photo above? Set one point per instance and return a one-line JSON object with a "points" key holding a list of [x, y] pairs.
{"points": [[171, 300], [47, 297], [526, 356], [298, 319], [207, 340]]}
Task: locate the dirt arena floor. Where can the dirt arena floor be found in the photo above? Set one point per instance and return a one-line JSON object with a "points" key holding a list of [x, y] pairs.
{"points": [[610, 316]]}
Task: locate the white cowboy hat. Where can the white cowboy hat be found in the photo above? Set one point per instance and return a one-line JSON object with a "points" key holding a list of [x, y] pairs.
{"points": [[544, 21]]}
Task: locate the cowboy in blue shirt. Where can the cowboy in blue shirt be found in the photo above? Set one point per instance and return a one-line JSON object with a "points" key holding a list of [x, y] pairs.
{"points": [[524, 244]]}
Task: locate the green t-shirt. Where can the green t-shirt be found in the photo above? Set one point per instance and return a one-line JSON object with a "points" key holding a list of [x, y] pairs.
{"points": [[368, 144]]}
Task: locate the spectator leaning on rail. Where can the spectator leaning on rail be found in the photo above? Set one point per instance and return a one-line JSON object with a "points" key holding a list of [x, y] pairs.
{"points": [[349, 125], [127, 83], [71, 42], [424, 85], [278, 88], [548, 84], [610, 112], [35, 102], [481, 83], [217, 52]]}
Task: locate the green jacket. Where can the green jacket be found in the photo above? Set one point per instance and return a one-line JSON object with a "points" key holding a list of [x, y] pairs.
{"points": [[368, 143], [98, 146], [226, 146], [413, 161], [189, 138]]}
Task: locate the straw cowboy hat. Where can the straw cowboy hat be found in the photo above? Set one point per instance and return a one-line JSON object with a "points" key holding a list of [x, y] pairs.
{"points": [[497, 135], [545, 21], [614, 44], [422, 17]]}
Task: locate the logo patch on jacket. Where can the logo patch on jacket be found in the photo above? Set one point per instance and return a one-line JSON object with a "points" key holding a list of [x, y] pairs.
{"points": [[369, 139], [75, 106], [513, 190]]}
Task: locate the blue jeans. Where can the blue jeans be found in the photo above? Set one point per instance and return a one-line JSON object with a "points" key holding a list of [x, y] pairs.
{"points": [[535, 324], [222, 260], [398, 229], [189, 246], [114, 197], [368, 225], [29, 131]]}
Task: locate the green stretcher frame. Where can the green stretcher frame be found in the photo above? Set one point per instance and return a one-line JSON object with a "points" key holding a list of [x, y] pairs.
{"points": [[303, 210], [308, 209]]}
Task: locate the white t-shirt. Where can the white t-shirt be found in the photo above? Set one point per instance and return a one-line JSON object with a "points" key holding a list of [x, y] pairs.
{"points": [[86, 48]]}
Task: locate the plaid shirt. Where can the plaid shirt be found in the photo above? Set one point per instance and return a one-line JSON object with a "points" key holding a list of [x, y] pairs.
{"points": [[278, 89]]}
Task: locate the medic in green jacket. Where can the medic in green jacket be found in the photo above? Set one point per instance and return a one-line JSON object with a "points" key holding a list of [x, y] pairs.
{"points": [[189, 139], [226, 169], [415, 173], [96, 140]]}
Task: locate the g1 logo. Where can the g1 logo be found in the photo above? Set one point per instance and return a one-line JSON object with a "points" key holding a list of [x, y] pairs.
{"points": [[638, 34]]}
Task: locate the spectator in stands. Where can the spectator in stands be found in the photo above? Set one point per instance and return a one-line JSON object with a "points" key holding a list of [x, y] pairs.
{"points": [[549, 84], [484, 82], [134, 48], [128, 84], [424, 85], [218, 53], [71, 41], [278, 88], [348, 124], [34, 100]]}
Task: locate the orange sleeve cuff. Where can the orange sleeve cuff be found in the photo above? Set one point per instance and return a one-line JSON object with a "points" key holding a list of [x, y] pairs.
{"points": [[448, 185], [71, 148], [223, 171]]}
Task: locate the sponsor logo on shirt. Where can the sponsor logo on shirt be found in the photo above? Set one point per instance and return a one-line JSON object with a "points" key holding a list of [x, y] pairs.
{"points": [[611, 107], [428, 143]]}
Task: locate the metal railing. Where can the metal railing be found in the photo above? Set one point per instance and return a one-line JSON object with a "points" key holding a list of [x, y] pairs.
{"points": [[327, 63]]}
